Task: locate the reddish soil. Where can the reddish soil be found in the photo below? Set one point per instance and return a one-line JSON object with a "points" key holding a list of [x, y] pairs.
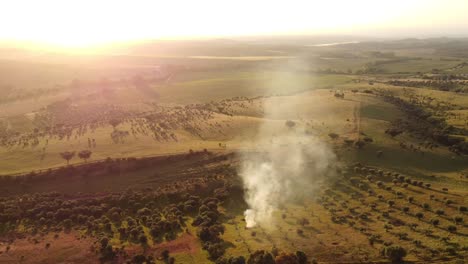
{"points": [[67, 248], [186, 243]]}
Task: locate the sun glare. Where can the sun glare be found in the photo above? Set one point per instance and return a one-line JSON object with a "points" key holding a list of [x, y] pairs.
{"points": [[87, 23]]}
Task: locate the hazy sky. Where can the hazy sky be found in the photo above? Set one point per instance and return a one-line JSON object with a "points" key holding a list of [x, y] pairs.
{"points": [[84, 22]]}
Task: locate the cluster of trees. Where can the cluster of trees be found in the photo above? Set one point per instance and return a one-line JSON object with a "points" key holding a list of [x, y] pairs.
{"points": [[446, 77], [210, 228], [422, 124], [120, 215], [383, 209], [442, 85], [265, 257], [63, 121]]}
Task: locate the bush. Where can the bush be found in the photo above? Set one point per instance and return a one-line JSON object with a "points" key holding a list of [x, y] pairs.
{"points": [[143, 239], [419, 215], [458, 219], [290, 123], [394, 253], [452, 228], [165, 254], [440, 212], [260, 257], [301, 257]]}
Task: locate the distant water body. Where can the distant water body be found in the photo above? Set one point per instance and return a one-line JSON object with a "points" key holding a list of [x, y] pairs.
{"points": [[332, 44]]}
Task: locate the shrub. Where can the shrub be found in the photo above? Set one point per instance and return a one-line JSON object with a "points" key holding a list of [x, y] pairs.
{"points": [[290, 123], [452, 228], [301, 257], [260, 257], [143, 239], [165, 254], [458, 219], [394, 253], [419, 215]]}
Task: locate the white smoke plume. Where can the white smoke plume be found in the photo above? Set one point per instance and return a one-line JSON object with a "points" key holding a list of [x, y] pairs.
{"points": [[288, 164]]}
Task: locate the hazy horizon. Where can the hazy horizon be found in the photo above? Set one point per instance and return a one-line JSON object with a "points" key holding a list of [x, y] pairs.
{"points": [[84, 23]]}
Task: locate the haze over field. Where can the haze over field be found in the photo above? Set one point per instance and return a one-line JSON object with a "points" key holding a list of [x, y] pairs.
{"points": [[286, 165]]}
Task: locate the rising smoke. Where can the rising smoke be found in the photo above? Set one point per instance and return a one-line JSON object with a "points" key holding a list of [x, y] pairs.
{"points": [[287, 165]]}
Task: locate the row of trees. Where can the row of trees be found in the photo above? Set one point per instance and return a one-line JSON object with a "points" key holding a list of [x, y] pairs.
{"points": [[422, 124], [385, 207]]}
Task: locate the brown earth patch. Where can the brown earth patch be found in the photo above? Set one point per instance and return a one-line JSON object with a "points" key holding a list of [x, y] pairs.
{"points": [[186, 243], [66, 248]]}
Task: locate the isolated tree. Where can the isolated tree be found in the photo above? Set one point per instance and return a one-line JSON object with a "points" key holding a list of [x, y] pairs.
{"points": [[85, 155], [67, 155]]}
